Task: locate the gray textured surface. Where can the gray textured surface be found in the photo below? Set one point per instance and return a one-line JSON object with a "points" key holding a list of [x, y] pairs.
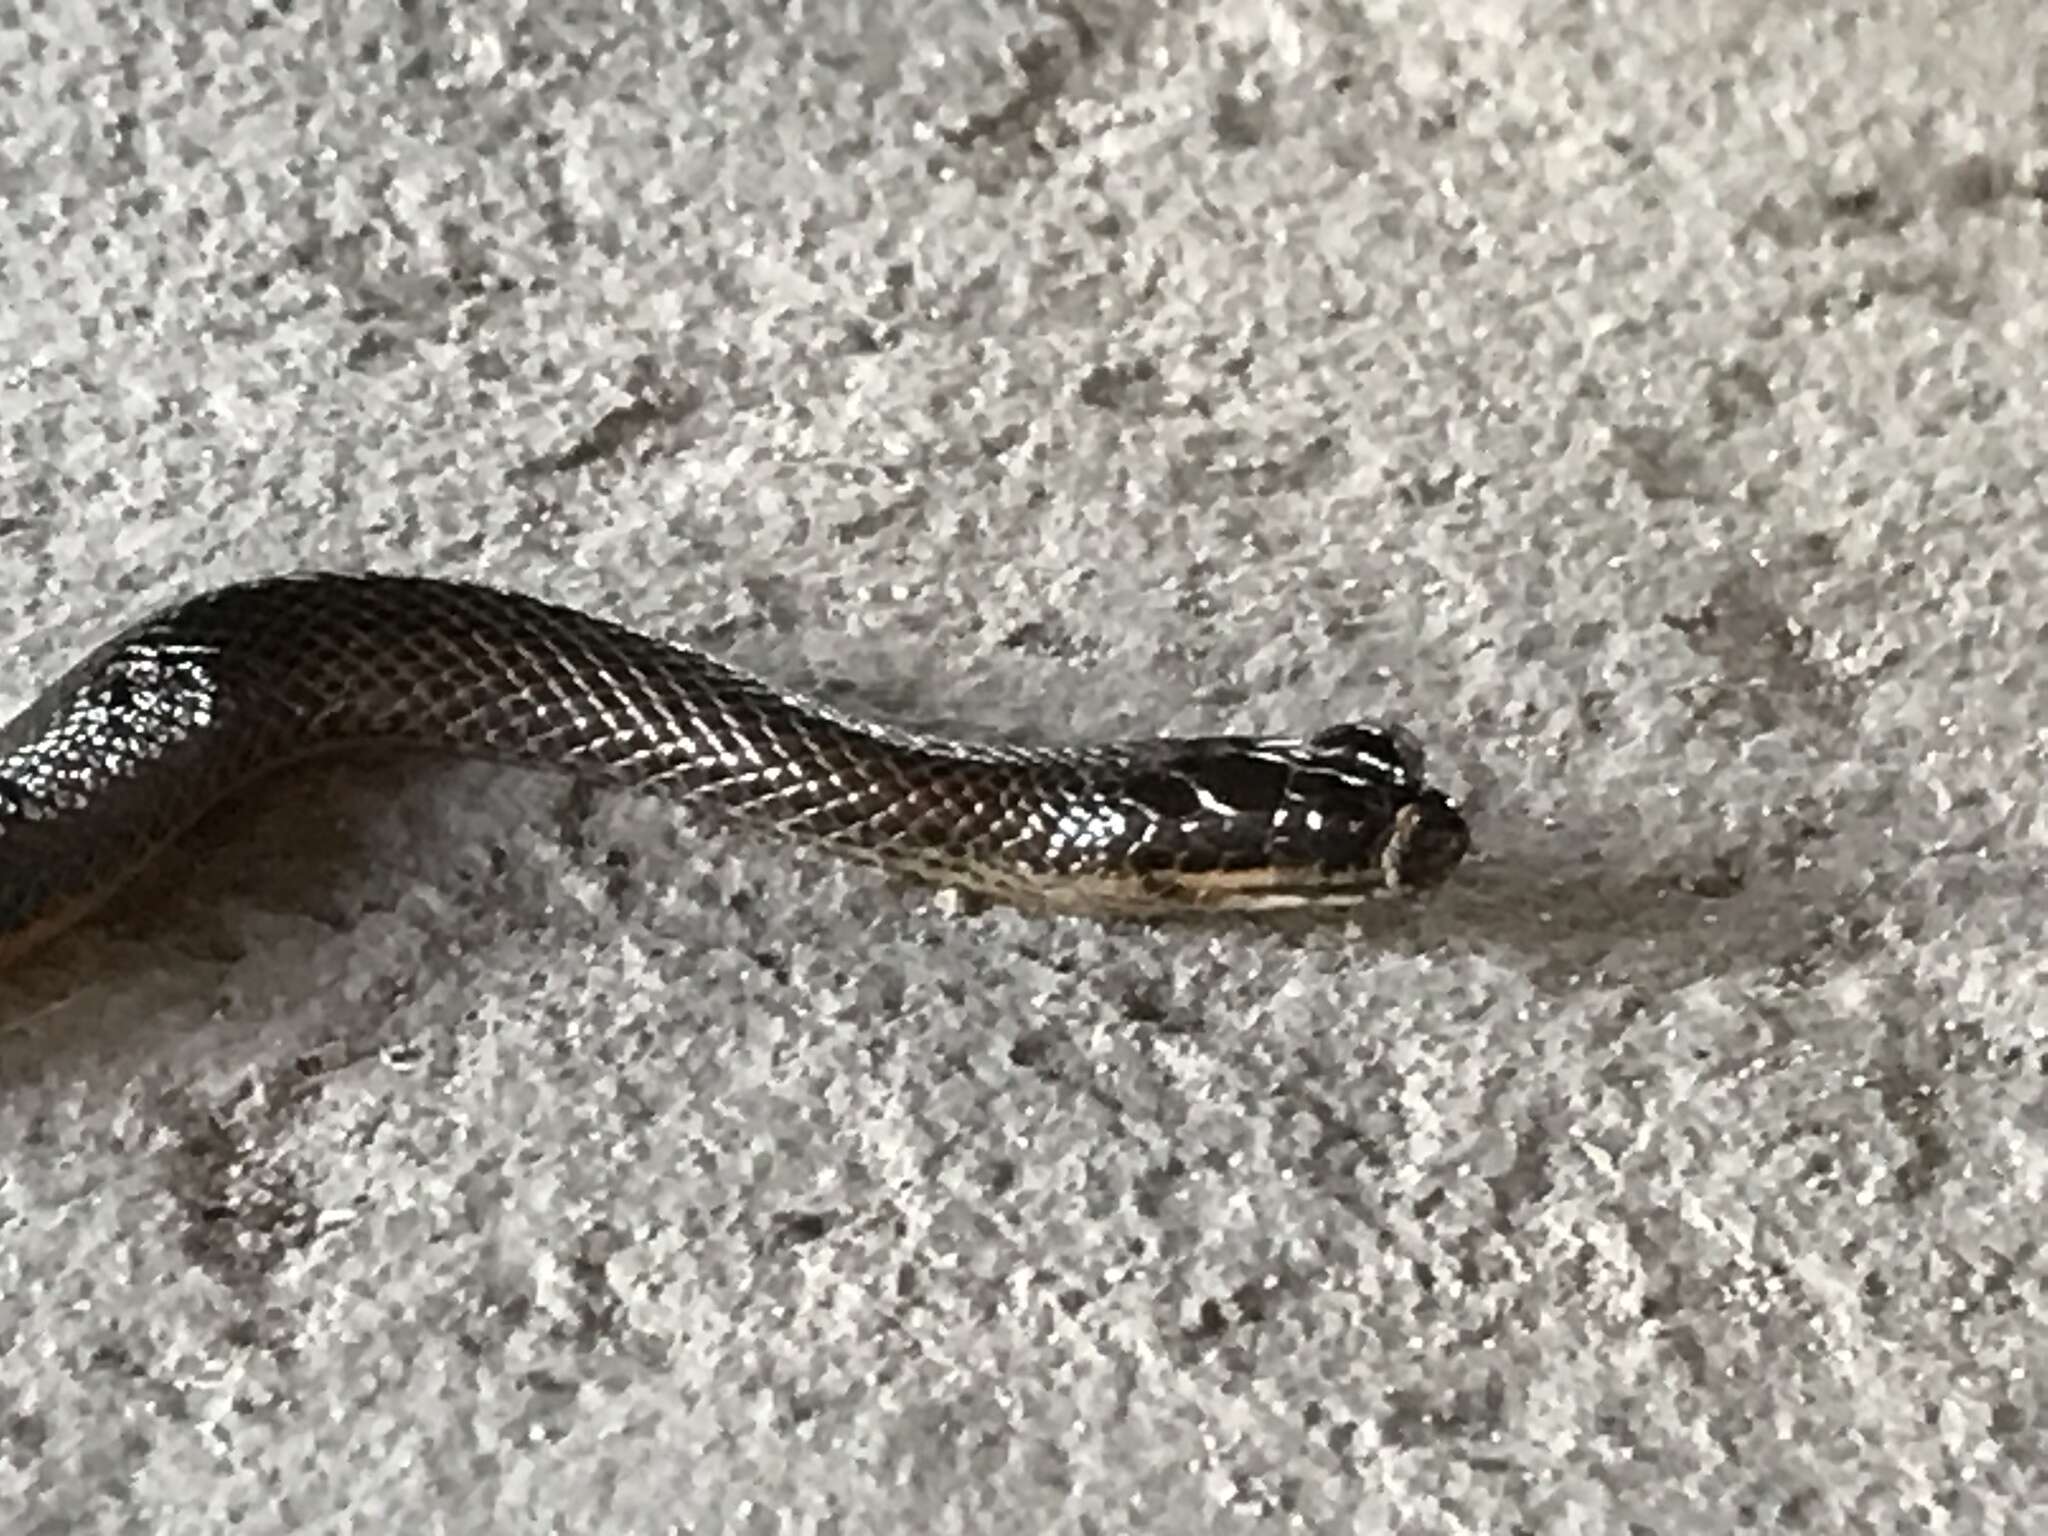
{"points": [[1650, 410]]}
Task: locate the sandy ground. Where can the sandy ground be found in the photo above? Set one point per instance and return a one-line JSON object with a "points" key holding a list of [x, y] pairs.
{"points": [[1645, 404]]}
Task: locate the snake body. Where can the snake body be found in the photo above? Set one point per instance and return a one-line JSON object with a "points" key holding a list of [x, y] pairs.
{"points": [[129, 747]]}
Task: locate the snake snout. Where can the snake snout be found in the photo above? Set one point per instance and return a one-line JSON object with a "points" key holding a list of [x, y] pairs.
{"points": [[1428, 841]]}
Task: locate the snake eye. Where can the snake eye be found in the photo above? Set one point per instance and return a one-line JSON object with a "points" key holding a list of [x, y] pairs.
{"points": [[1392, 749]]}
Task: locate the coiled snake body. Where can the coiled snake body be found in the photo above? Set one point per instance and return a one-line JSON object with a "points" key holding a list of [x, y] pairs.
{"points": [[126, 749]]}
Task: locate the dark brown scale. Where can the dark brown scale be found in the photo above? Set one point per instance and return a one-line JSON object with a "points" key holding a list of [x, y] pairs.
{"points": [[126, 749]]}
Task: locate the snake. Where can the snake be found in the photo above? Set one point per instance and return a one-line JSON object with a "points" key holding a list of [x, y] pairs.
{"points": [[128, 748]]}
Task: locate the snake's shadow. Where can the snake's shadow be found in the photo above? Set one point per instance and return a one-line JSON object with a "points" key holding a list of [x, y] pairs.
{"points": [[1569, 919], [300, 845], [1572, 923], [1544, 906]]}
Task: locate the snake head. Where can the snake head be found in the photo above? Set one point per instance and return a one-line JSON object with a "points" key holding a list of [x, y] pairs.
{"points": [[1429, 836], [1327, 820]]}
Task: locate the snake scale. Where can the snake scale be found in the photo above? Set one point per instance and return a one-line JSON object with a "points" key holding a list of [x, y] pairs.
{"points": [[123, 752]]}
